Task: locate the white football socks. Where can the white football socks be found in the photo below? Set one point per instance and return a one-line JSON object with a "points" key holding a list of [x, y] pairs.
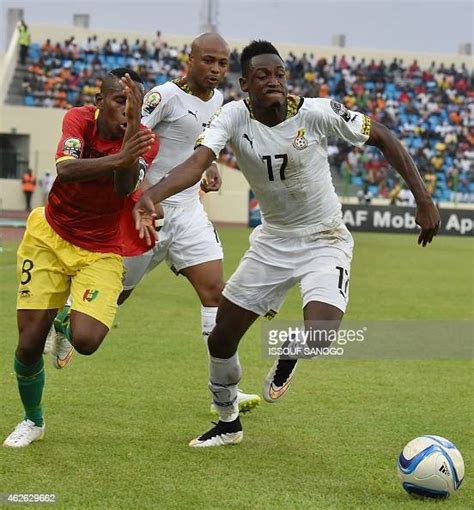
{"points": [[224, 376], [208, 321]]}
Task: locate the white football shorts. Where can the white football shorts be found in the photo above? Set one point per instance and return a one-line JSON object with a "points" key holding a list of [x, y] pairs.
{"points": [[187, 239], [320, 263]]}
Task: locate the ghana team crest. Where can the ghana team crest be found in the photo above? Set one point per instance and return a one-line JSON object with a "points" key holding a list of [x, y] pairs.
{"points": [[300, 142], [151, 101]]}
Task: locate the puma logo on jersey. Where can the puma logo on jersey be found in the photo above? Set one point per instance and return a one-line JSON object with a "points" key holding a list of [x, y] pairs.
{"points": [[193, 114], [246, 137]]}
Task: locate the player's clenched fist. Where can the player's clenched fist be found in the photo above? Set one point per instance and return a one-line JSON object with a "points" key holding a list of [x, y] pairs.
{"points": [[212, 180]]}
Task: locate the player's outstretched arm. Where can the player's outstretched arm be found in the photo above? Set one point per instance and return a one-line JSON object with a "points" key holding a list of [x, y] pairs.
{"points": [[180, 178], [427, 215]]}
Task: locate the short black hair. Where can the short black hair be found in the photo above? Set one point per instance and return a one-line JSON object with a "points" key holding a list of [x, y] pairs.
{"points": [[120, 72], [252, 50], [109, 81]]}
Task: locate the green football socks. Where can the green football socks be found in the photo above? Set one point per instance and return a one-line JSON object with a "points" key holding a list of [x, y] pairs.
{"points": [[62, 322], [30, 385]]}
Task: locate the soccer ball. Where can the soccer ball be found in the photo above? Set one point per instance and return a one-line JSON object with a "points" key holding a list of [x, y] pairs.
{"points": [[431, 466]]}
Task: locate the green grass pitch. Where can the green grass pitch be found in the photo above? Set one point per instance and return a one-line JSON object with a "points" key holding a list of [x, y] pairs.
{"points": [[118, 422]]}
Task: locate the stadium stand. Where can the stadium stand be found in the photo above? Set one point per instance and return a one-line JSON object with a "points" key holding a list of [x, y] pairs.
{"points": [[430, 108]]}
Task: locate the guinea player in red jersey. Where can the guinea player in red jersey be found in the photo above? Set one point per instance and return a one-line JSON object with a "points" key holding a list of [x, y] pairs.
{"points": [[74, 245]]}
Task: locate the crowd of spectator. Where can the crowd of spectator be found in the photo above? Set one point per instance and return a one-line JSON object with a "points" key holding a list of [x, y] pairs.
{"points": [[430, 109]]}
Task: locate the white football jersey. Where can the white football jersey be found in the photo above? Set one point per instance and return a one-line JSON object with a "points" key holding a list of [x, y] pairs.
{"points": [[178, 118], [287, 165]]}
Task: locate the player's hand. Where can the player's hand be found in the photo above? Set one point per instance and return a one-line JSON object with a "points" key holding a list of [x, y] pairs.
{"points": [[134, 95], [137, 145], [212, 180], [427, 217], [145, 214]]}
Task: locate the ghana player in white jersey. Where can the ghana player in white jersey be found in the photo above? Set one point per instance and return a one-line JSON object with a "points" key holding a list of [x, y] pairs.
{"points": [[178, 111], [280, 142]]}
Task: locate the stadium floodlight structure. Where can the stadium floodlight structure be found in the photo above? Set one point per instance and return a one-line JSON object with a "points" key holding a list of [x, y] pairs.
{"points": [[339, 40], [465, 48], [209, 14], [14, 15], [81, 20]]}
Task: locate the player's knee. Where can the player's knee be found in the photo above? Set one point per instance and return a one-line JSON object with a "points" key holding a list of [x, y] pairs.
{"points": [[28, 352], [210, 293], [222, 343], [87, 344]]}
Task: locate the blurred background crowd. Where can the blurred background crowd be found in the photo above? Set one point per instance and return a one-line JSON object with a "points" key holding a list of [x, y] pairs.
{"points": [[430, 109]]}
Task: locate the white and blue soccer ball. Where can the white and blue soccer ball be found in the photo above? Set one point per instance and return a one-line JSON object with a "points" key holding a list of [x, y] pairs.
{"points": [[431, 466]]}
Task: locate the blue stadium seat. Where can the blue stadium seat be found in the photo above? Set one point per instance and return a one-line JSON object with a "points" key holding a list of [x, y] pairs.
{"points": [[29, 101], [34, 51], [446, 196], [110, 61], [374, 190]]}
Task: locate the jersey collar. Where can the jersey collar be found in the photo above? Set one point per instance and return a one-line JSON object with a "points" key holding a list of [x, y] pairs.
{"points": [[294, 103], [183, 85]]}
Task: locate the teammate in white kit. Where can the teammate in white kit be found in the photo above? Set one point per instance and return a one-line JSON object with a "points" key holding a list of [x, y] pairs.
{"points": [[280, 142], [178, 111]]}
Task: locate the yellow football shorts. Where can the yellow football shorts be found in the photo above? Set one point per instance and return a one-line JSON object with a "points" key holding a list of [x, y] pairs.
{"points": [[50, 269]]}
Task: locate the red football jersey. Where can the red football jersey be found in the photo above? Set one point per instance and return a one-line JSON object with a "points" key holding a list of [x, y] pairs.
{"points": [[87, 214], [132, 245]]}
